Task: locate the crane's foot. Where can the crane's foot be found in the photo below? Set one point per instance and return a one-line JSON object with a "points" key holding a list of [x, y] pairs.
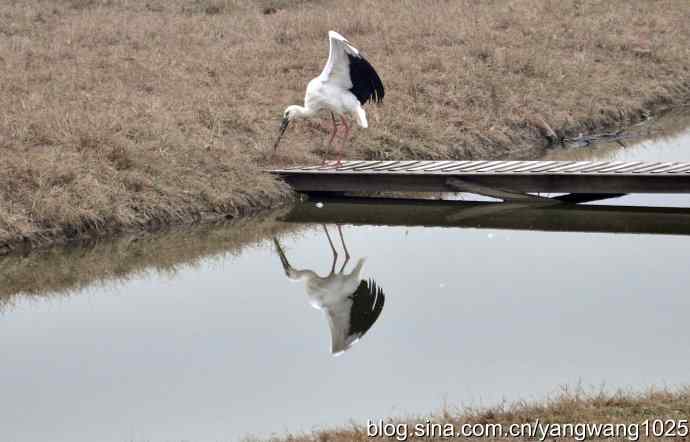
{"points": [[331, 163]]}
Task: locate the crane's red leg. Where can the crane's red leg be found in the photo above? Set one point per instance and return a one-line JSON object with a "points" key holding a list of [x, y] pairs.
{"points": [[330, 140], [345, 138]]}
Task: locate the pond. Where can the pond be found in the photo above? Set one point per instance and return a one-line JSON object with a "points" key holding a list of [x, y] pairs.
{"points": [[219, 343]]}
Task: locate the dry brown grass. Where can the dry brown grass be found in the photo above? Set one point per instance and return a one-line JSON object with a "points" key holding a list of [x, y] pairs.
{"points": [[569, 406], [117, 114]]}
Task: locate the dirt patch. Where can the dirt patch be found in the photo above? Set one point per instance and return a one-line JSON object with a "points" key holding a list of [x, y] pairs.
{"points": [[119, 115]]}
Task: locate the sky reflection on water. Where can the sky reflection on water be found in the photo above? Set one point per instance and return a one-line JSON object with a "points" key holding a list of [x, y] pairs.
{"points": [[230, 346]]}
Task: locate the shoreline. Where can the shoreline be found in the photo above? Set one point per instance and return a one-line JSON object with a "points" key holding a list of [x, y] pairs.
{"points": [[56, 237], [127, 117], [60, 237]]}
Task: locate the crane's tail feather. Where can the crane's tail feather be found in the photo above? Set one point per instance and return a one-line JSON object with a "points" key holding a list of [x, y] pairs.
{"points": [[361, 117]]}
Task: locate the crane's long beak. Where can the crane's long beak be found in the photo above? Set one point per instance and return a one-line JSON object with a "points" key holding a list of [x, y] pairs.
{"points": [[283, 259], [283, 126]]}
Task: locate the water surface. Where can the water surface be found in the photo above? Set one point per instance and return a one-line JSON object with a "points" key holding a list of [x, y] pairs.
{"points": [[228, 346]]}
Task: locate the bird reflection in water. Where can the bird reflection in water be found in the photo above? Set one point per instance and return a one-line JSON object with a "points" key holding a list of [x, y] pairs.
{"points": [[351, 304]]}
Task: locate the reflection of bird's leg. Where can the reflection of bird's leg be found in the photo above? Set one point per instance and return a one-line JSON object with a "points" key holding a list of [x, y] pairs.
{"points": [[342, 241], [335, 253], [330, 140], [345, 137]]}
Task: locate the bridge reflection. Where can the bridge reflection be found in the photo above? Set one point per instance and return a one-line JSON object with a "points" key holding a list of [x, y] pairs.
{"points": [[515, 215]]}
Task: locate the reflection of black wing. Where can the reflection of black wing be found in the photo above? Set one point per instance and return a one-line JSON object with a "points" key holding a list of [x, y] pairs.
{"points": [[367, 303], [353, 317]]}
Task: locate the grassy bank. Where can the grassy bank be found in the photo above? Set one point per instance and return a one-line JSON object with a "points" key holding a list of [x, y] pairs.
{"points": [[567, 407], [119, 115]]}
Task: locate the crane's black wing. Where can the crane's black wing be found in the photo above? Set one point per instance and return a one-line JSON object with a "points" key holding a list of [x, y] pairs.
{"points": [[366, 83]]}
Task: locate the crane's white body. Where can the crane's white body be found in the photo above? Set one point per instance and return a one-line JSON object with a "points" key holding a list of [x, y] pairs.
{"points": [[345, 84], [324, 95], [331, 89]]}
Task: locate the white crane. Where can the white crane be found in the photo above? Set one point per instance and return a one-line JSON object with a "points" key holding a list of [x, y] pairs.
{"points": [[346, 83], [351, 305]]}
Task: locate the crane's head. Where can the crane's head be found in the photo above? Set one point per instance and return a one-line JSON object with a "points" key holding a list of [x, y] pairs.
{"points": [[291, 113]]}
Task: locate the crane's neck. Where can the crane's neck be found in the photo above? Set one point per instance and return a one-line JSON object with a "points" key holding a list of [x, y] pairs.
{"points": [[298, 111]]}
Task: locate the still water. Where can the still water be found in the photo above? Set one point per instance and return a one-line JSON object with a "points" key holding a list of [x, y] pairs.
{"points": [[228, 345]]}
